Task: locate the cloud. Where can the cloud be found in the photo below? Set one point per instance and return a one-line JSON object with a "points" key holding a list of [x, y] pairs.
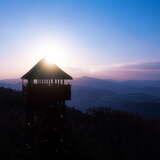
{"points": [[142, 66], [140, 71]]}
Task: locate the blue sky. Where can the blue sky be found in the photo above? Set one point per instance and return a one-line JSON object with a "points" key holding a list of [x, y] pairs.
{"points": [[92, 34]]}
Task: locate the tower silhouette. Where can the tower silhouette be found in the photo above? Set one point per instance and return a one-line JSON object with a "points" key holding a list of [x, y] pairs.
{"points": [[46, 88]]}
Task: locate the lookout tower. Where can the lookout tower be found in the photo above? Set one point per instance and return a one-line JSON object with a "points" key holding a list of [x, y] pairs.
{"points": [[46, 88], [46, 84]]}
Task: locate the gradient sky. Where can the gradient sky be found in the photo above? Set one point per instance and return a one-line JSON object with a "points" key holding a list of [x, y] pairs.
{"points": [[89, 36]]}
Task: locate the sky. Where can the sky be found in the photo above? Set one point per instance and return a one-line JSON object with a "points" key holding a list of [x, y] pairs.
{"points": [[117, 39]]}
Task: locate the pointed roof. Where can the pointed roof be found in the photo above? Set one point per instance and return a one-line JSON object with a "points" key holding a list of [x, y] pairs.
{"points": [[43, 70]]}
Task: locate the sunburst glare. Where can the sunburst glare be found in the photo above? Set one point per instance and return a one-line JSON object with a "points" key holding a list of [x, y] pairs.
{"points": [[55, 52]]}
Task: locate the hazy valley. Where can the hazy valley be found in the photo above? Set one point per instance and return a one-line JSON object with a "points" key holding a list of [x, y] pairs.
{"points": [[141, 97]]}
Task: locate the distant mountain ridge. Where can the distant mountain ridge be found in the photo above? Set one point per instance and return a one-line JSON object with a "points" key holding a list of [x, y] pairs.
{"points": [[98, 83], [131, 95], [11, 83]]}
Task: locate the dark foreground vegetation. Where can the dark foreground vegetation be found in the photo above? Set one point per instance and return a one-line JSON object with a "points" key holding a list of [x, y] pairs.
{"points": [[100, 133]]}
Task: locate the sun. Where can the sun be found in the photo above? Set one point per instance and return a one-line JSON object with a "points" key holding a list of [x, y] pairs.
{"points": [[55, 58], [54, 52], [50, 60]]}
